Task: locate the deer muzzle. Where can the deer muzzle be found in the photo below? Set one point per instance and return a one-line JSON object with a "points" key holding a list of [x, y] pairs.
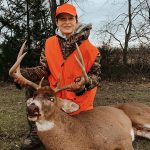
{"points": [[33, 110]]}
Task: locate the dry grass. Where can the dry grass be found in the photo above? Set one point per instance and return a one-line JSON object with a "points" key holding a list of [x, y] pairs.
{"points": [[13, 125], [12, 114]]}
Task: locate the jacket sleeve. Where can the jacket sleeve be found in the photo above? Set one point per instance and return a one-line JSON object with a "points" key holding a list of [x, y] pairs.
{"points": [[37, 73], [94, 74]]}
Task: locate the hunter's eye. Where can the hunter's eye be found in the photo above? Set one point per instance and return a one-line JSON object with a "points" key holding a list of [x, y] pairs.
{"points": [[51, 99]]}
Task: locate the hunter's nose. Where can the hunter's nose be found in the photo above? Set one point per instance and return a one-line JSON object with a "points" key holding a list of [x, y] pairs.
{"points": [[32, 108]]}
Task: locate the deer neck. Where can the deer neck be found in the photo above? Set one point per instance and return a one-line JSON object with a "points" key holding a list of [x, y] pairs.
{"points": [[58, 120], [63, 128]]}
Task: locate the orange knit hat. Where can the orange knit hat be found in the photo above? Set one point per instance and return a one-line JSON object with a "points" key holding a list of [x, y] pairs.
{"points": [[66, 8]]}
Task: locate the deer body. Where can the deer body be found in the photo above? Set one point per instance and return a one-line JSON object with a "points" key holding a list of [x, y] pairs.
{"points": [[67, 133], [108, 127], [105, 128]]}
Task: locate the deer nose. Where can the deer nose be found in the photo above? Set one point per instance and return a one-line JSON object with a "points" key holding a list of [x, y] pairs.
{"points": [[32, 109]]}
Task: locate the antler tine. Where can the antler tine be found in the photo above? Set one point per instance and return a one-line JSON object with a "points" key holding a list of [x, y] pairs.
{"points": [[20, 54], [80, 55], [15, 69], [81, 64], [15, 66], [21, 50], [40, 84], [58, 88]]}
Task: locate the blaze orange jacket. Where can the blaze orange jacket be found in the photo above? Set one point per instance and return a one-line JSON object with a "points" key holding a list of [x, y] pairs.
{"points": [[69, 70]]}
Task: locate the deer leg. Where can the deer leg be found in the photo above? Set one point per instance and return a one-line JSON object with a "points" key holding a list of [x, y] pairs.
{"points": [[142, 131], [139, 115]]}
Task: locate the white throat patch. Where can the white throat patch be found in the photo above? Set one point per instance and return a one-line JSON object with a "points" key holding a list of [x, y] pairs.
{"points": [[44, 125]]}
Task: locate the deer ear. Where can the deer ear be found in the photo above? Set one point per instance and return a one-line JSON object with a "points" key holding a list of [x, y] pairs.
{"points": [[67, 105]]}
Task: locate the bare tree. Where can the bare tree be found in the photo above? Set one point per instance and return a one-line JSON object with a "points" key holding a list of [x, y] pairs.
{"points": [[134, 25], [142, 30]]}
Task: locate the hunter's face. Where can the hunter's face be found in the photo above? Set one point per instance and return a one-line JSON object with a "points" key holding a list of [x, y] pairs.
{"points": [[66, 23]]}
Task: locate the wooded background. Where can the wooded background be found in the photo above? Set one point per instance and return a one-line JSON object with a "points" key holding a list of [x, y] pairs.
{"points": [[34, 21]]}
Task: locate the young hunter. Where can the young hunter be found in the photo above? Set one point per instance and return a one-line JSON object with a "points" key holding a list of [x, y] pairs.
{"points": [[57, 60]]}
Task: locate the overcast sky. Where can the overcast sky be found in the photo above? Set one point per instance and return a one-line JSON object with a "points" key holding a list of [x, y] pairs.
{"points": [[98, 12]]}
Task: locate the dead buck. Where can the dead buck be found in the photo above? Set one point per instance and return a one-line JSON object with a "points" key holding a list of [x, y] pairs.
{"points": [[103, 128]]}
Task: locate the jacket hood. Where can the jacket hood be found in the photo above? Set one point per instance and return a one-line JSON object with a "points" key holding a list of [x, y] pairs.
{"points": [[80, 29]]}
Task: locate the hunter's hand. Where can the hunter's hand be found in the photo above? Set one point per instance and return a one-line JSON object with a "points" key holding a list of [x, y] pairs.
{"points": [[19, 80], [78, 86]]}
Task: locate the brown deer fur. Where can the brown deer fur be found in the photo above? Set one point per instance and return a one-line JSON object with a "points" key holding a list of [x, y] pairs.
{"points": [[103, 128]]}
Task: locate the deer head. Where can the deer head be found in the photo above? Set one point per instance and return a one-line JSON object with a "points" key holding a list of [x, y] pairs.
{"points": [[44, 98], [44, 103]]}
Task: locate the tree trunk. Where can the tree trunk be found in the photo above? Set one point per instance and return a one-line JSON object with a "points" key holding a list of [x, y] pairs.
{"points": [[128, 34], [53, 6], [28, 26], [61, 2], [125, 56]]}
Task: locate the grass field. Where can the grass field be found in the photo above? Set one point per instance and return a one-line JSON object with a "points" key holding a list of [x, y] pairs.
{"points": [[13, 125]]}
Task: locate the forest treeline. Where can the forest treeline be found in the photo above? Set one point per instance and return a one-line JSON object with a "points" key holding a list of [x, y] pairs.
{"points": [[34, 21], [137, 67]]}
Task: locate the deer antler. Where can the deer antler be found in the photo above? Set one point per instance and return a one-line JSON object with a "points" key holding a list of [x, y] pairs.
{"points": [[15, 69], [82, 66]]}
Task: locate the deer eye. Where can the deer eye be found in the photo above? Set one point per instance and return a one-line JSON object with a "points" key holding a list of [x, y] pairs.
{"points": [[51, 99]]}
